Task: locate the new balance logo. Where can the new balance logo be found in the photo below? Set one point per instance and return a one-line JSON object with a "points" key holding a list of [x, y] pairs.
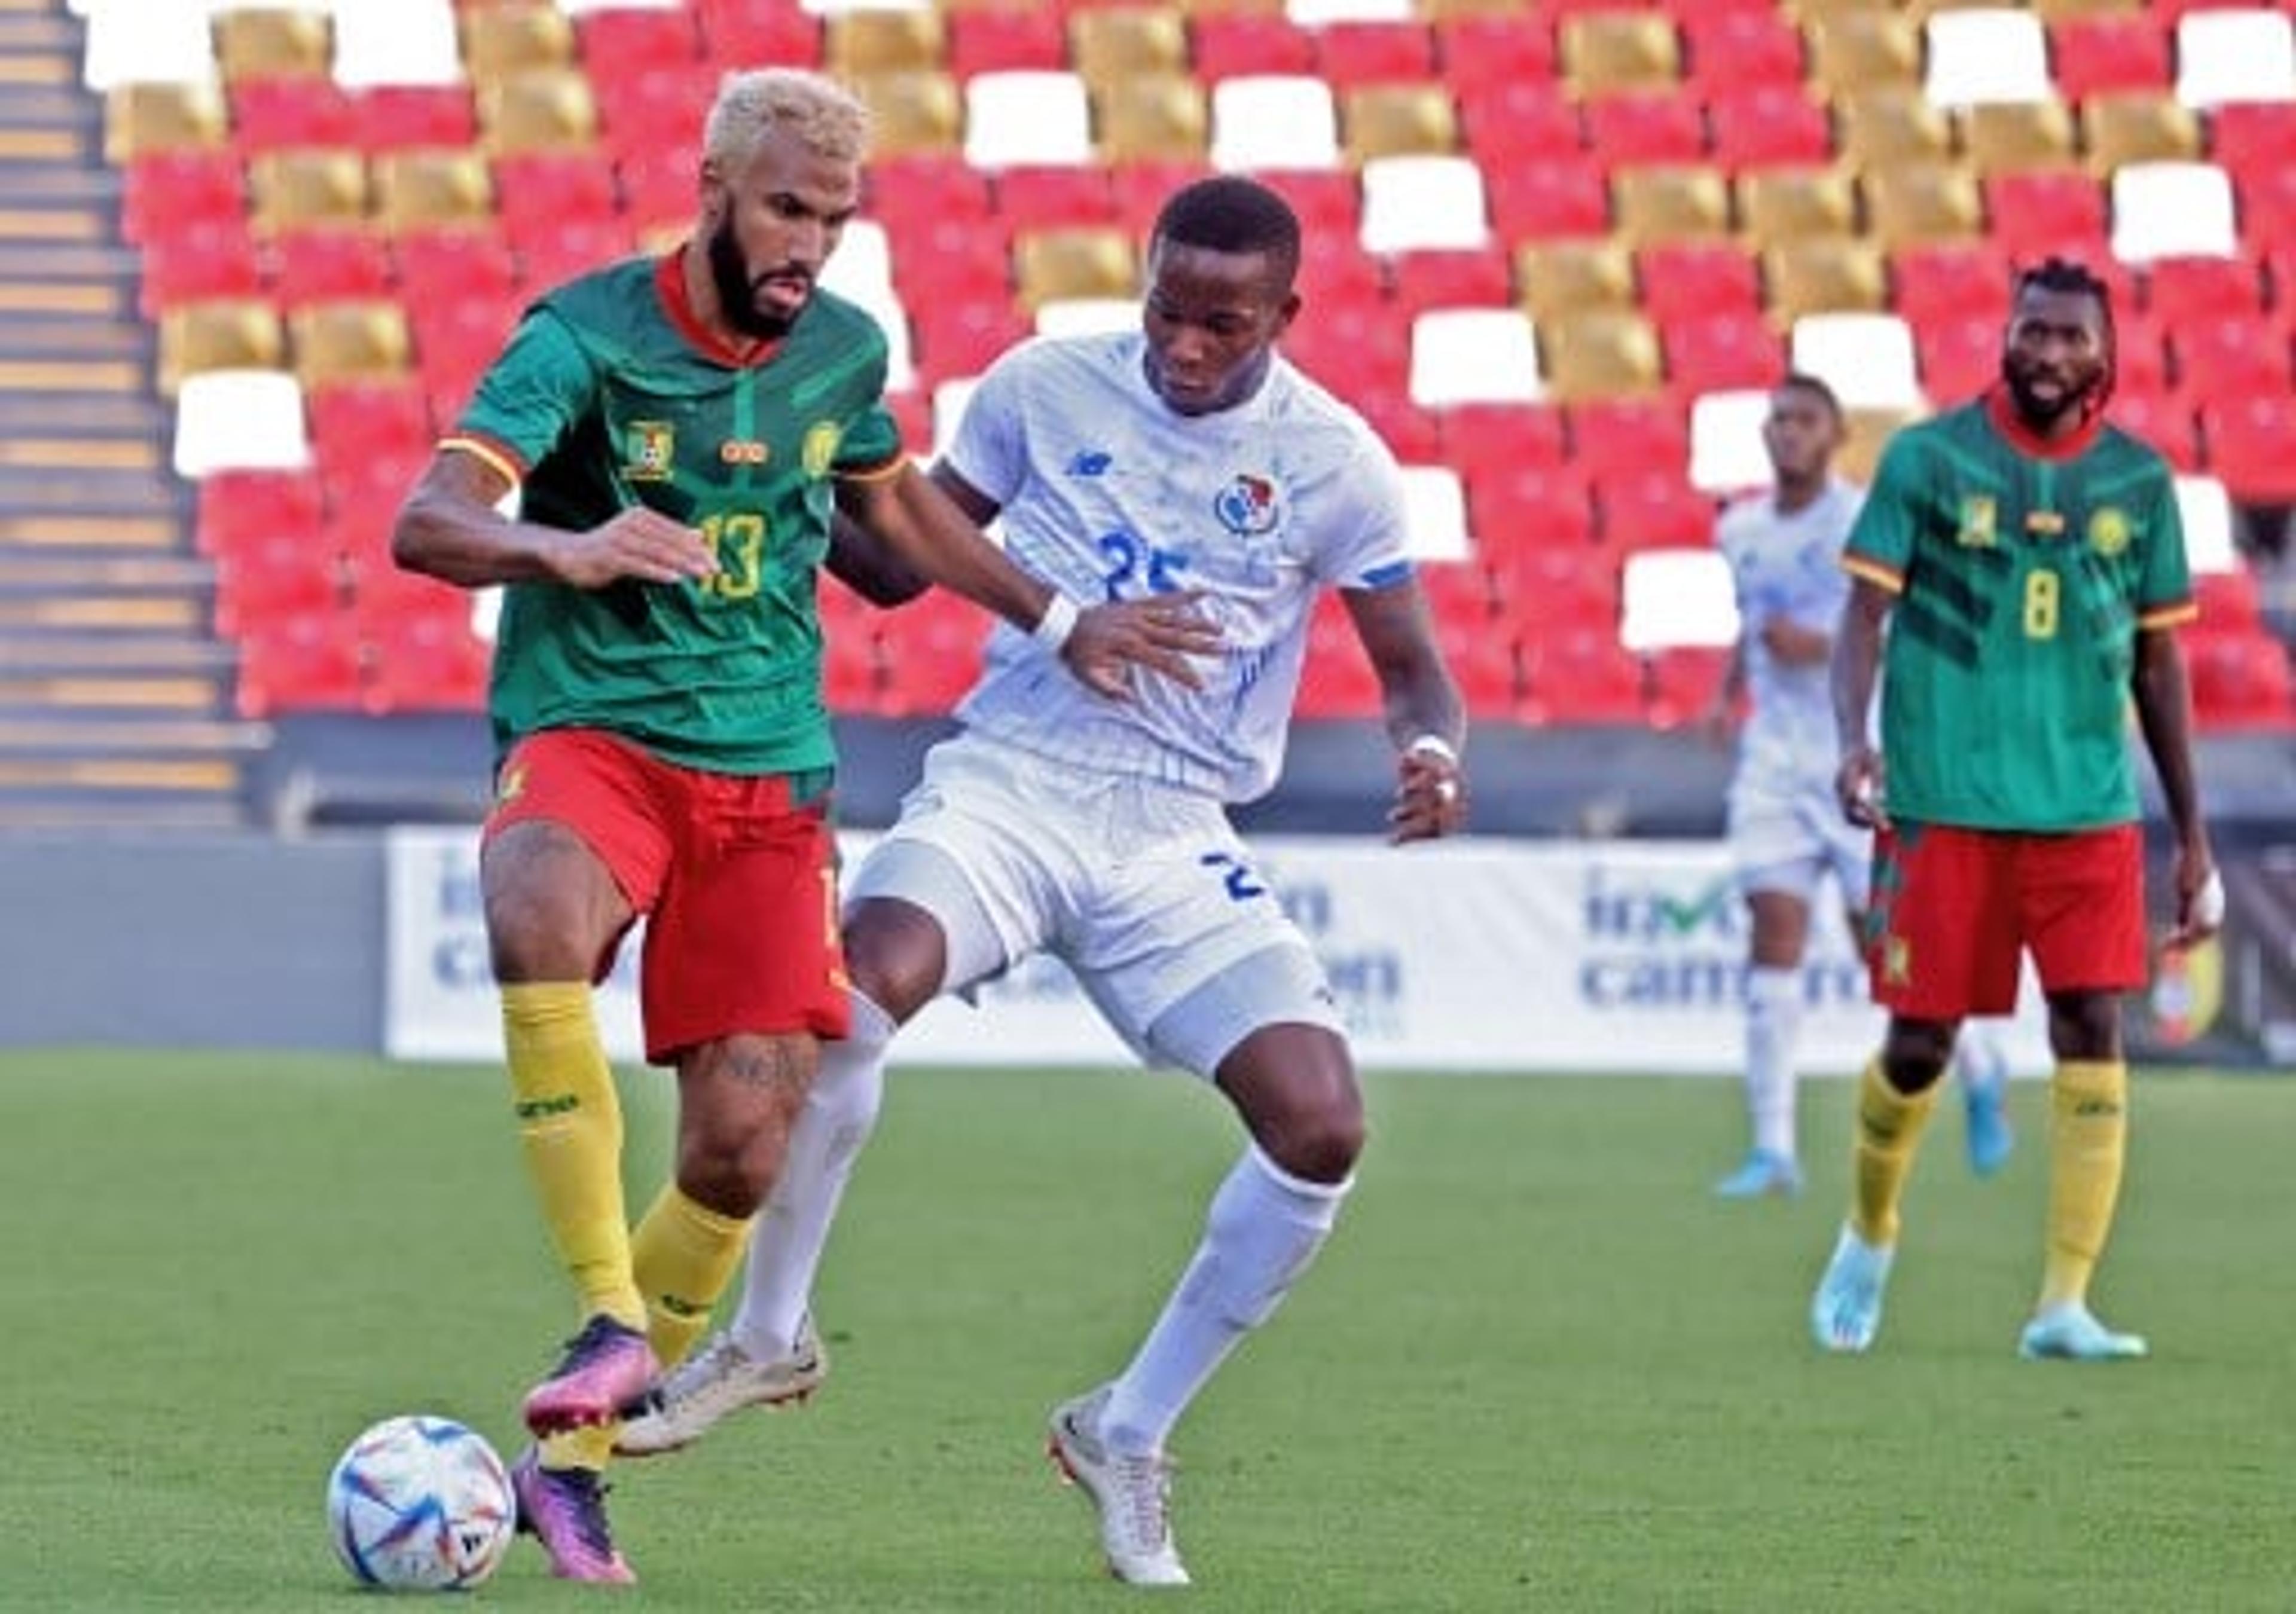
{"points": [[1090, 463]]}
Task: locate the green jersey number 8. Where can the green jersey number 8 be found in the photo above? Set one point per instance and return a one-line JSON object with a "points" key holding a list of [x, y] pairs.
{"points": [[2042, 590], [738, 542]]}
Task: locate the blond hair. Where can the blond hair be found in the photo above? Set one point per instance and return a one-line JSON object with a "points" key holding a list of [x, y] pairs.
{"points": [[823, 116]]}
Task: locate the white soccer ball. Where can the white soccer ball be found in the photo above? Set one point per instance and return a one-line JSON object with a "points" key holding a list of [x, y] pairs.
{"points": [[420, 1503]]}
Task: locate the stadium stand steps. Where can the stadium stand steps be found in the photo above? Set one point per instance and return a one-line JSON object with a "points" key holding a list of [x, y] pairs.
{"points": [[115, 702]]}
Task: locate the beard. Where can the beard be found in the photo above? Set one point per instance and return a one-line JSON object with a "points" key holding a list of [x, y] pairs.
{"points": [[2045, 412], [737, 293]]}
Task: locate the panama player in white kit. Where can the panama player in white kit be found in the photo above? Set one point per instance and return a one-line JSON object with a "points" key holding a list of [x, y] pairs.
{"points": [[1186, 459], [1786, 828]]}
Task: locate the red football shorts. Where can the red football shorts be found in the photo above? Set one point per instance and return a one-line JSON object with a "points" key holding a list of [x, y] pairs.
{"points": [[737, 884], [1954, 909]]}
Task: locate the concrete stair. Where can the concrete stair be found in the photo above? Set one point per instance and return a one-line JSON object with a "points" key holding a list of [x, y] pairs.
{"points": [[115, 697]]}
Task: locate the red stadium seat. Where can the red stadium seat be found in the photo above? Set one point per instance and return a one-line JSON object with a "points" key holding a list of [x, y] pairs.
{"points": [[2181, 288], [278, 114], [1645, 126], [903, 190], [1655, 510], [1769, 124], [1458, 594], [394, 115], [1630, 437], [550, 255], [2227, 355], [1683, 680], [2165, 419], [2240, 682], [1554, 589], [1481, 278], [197, 263], [1483, 439], [540, 193], [1490, 52], [2250, 138], [427, 663], [273, 578], [1000, 39], [1232, 44], [1939, 282], [2112, 51], [166, 193], [2044, 211], [1514, 508], [2251, 444], [742, 30], [321, 263], [1412, 433], [1722, 353], [439, 265], [1541, 200], [2267, 208], [1959, 357], [1353, 350], [1688, 280], [1483, 662], [955, 339], [1582, 678], [624, 42], [2141, 355], [301, 663], [360, 421], [1513, 122], [237, 508], [1053, 196], [2230, 601], [1337, 681], [386, 599], [1327, 201], [1352, 54], [1141, 189], [1732, 48], [652, 108]]}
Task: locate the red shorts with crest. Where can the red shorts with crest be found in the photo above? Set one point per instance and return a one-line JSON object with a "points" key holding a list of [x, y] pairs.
{"points": [[1953, 910], [736, 882]]}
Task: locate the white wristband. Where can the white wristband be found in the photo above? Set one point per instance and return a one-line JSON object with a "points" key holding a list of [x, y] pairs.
{"points": [[1435, 746], [1058, 622]]}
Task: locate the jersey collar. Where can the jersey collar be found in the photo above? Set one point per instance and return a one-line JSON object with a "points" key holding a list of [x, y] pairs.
{"points": [[2003, 415], [669, 285]]}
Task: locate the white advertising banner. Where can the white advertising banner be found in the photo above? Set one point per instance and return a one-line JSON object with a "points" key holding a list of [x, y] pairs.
{"points": [[1623, 956]]}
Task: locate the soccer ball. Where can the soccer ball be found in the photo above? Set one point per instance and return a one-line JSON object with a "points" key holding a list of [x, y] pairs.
{"points": [[420, 1503]]}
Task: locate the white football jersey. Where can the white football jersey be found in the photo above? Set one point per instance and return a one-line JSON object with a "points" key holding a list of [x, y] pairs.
{"points": [[1789, 566], [1108, 494]]}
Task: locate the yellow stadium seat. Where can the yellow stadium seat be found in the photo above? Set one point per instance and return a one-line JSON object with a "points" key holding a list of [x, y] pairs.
{"points": [[142, 118], [1151, 117], [1556, 279], [1670, 203], [350, 340], [1855, 49], [2057, 10], [1084, 263], [1890, 123], [920, 112], [503, 39], [1398, 121], [268, 42], [883, 40], [1445, 11], [1784, 204], [225, 333], [1818, 275], [289, 189], [1107, 47], [1603, 52], [2000, 136], [1866, 433], [541, 109], [2137, 126], [424, 187], [1600, 354], [1911, 203], [1233, 8]]}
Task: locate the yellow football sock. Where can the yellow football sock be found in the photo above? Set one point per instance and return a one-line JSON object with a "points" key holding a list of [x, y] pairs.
{"points": [[2088, 1137], [570, 1123], [591, 1448], [1890, 1126], [684, 1255]]}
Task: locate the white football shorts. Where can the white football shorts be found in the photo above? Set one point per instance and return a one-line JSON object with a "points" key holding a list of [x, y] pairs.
{"points": [[1145, 892], [1785, 834]]}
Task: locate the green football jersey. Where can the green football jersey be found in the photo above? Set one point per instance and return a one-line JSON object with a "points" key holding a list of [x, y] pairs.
{"points": [[2023, 574], [611, 394]]}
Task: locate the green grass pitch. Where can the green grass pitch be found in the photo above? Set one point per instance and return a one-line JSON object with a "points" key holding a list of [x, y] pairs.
{"points": [[1537, 1367]]}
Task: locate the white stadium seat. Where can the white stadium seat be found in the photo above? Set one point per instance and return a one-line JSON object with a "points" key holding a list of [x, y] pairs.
{"points": [[2172, 209], [240, 420], [1422, 203], [1274, 120], [1988, 54], [1726, 441], [1474, 356], [1676, 597]]}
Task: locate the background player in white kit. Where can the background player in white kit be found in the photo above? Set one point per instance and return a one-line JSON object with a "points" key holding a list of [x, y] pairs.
{"points": [[1187, 458], [1786, 827]]}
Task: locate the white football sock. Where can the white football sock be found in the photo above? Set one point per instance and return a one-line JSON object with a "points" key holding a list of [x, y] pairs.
{"points": [[1264, 1227], [793, 1228], [1773, 1037]]}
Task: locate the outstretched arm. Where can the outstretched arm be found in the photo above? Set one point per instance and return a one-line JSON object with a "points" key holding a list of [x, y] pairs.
{"points": [[1425, 718]]}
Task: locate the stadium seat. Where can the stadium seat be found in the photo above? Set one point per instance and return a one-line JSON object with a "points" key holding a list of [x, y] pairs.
{"points": [[1600, 354], [1779, 205], [1892, 124], [1722, 351], [383, 42], [2172, 209], [1854, 49], [2243, 54], [1329, 201], [1769, 124], [1910, 204], [427, 664], [236, 509], [1323, 13], [1495, 53], [1735, 48], [1986, 54], [1516, 123], [1585, 677], [1615, 439], [1151, 117], [1107, 46], [1062, 264], [320, 264], [2251, 443], [144, 119], [1251, 44], [742, 30], [199, 262], [1949, 281], [236, 420], [2162, 418], [1607, 52], [1683, 680], [1548, 199], [1053, 196], [267, 114], [2240, 682], [2229, 600], [436, 265], [1685, 280], [1273, 121], [2250, 140], [281, 576], [1727, 452], [290, 189], [1414, 435], [1867, 358], [1483, 438], [2003, 135], [624, 41], [163, 193], [1006, 39], [2128, 127], [1670, 203], [1867, 432], [309, 661], [1475, 277], [1823, 275], [169, 44], [546, 199], [1645, 126], [1465, 355], [912, 114], [887, 39], [1422, 203], [226, 334], [350, 340], [1676, 598], [2045, 211], [514, 36], [1515, 510], [1382, 120], [1559, 278], [2268, 214], [653, 109], [1026, 117], [537, 109], [2179, 289], [1435, 514], [1350, 55], [1959, 356], [267, 41], [2204, 511], [2110, 52]]}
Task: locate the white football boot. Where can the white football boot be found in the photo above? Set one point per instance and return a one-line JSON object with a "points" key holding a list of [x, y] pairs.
{"points": [[1132, 1491], [685, 1403]]}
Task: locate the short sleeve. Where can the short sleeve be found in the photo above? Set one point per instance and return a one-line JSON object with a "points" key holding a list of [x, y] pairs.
{"points": [[533, 393], [1880, 546], [990, 448], [1369, 546], [2164, 587]]}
